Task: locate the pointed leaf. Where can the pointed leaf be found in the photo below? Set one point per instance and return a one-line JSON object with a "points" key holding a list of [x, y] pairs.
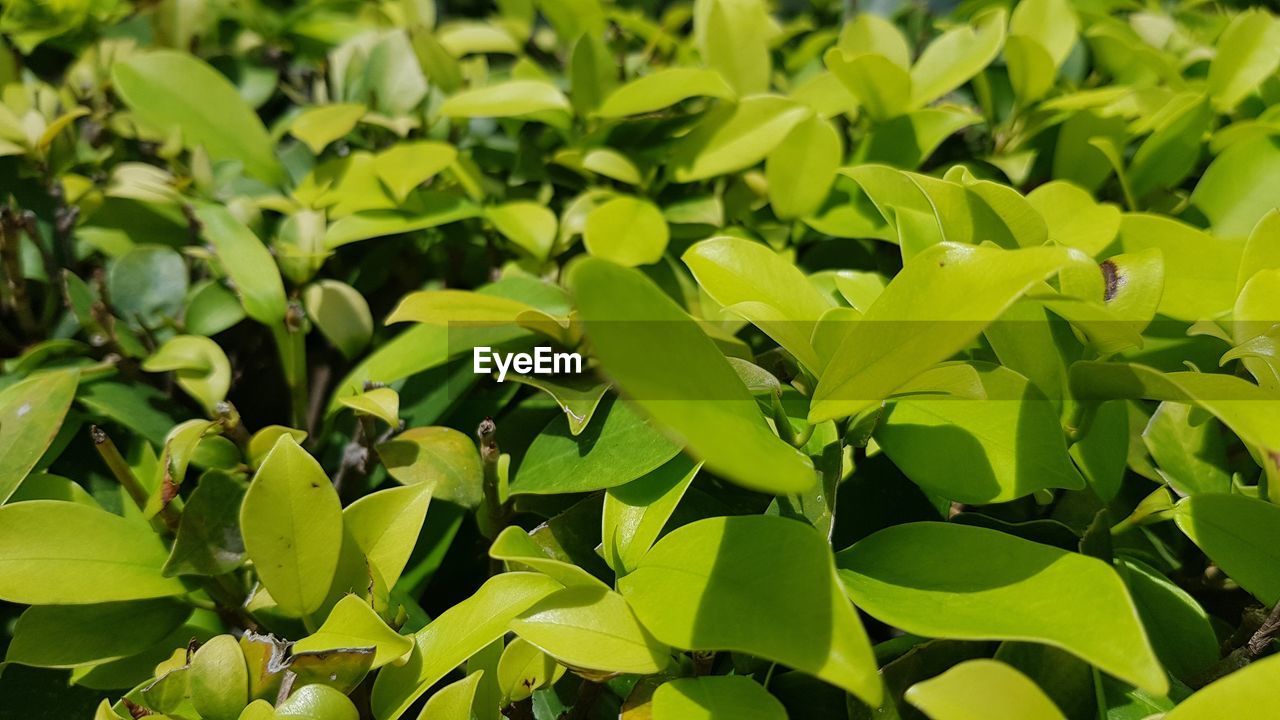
{"points": [[625, 315], [985, 689], [768, 588], [292, 525], [31, 413], [924, 578], [458, 633], [941, 300], [62, 553]]}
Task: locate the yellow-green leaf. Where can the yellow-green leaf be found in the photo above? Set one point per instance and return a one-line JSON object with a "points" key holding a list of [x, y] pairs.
{"points": [[353, 624], [982, 690], [292, 525], [63, 553], [31, 412], [147, 82]]}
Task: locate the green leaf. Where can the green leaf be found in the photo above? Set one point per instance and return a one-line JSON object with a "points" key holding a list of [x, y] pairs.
{"points": [[734, 137], [530, 225], [1199, 269], [1172, 151], [1260, 251], [258, 710], [262, 441], [457, 307], [1246, 409], [943, 298], [458, 633], [1248, 52], [292, 524], [147, 284], [1247, 692], [63, 553], [1191, 455], [386, 525], [421, 210], [620, 446], [635, 513], [353, 624], [317, 702], [201, 367], [513, 98], [908, 140], [760, 585], [740, 275], [522, 669], [318, 126], [802, 168], [65, 636], [453, 701], [1074, 218], [145, 81], [662, 89], [882, 87], [44, 486], [715, 698], [936, 580], [396, 83], [247, 262], [1186, 642], [627, 230], [956, 56], [209, 541], [519, 549], [871, 33], [1051, 23], [406, 165], [982, 690], [591, 627], [31, 413], [1239, 186], [341, 313], [732, 37], [219, 679], [577, 396], [440, 458], [211, 308], [625, 316], [1239, 534], [1031, 68], [591, 72], [981, 451]]}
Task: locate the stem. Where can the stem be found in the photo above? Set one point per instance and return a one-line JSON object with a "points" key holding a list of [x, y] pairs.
{"points": [[232, 427], [493, 519], [11, 227], [291, 344], [1258, 643], [167, 519], [780, 421]]}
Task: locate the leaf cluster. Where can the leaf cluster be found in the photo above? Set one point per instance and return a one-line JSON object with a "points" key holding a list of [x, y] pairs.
{"points": [[931, 361]]}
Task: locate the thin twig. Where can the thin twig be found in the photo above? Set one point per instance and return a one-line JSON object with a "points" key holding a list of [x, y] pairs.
{"points": [[167, 519]]}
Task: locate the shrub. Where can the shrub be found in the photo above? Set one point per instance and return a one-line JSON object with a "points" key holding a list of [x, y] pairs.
{"points": [[926, 363]]}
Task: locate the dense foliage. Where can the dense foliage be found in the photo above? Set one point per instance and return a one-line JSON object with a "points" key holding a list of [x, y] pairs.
{"points": [[932, 365]]}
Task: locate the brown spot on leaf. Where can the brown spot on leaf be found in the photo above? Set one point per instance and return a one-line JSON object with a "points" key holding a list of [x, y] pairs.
{"points": [[168, 490], [135, 710], [1112, 278]]}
